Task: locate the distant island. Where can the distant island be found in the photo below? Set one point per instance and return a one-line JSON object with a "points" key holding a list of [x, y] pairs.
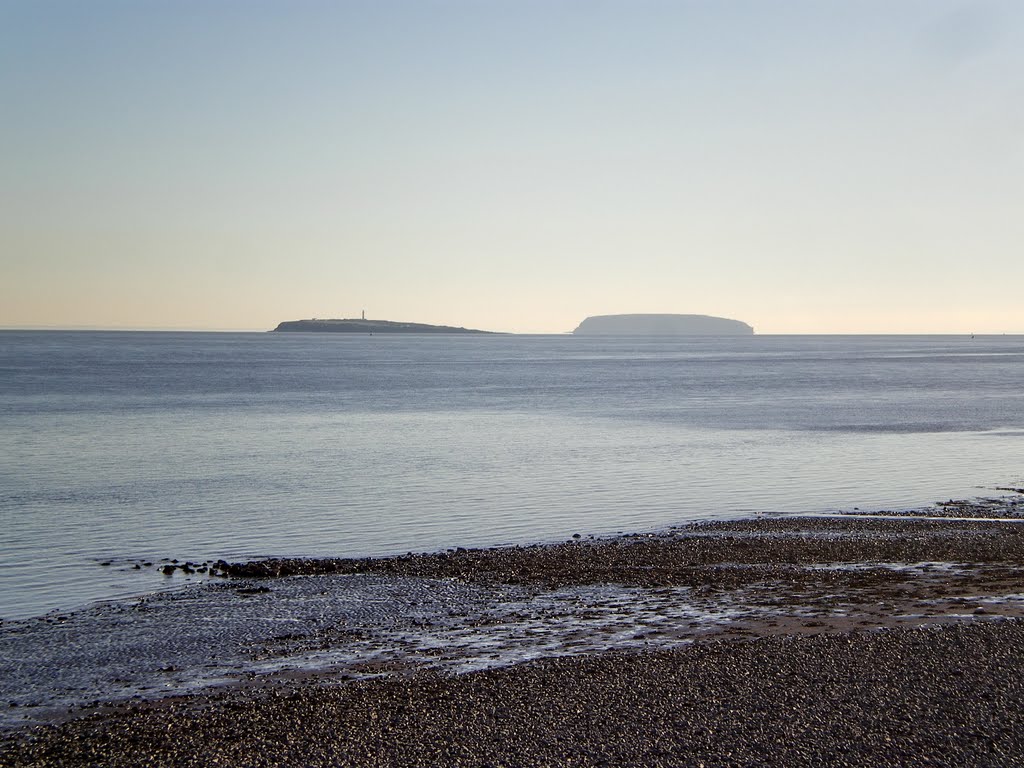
{"points": [[661, 325], [362, 325]]}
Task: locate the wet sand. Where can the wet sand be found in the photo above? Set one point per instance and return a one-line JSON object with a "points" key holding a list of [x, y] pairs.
{"points": [[832, 641]]}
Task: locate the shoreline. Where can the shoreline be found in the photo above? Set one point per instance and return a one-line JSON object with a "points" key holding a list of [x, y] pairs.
{"points": [[789, 601]]}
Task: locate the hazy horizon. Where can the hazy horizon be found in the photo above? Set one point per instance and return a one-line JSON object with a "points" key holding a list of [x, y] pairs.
{"points": [[804, 167], [567, 332]]}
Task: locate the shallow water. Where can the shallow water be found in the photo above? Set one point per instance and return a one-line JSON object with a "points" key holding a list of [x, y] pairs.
{"points": [[118, 449]]}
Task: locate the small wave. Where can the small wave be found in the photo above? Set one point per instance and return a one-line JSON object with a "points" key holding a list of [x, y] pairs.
{"points": [[912, 428]]}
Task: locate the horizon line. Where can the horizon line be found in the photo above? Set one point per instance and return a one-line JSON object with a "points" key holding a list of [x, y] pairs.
{"points": [[197, 329]]}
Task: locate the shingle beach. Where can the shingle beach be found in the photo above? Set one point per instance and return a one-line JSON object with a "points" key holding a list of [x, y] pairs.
{"points": [[848, 641]]}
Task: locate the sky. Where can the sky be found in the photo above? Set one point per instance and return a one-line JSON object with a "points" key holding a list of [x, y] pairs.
{"points": [[806, 167]]}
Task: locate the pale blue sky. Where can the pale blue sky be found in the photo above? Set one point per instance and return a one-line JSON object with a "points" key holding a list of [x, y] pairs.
{"points": [[802, 166]]}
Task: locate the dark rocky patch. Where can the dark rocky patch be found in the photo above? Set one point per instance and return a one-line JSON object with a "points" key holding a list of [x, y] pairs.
{"points": [[1002, 507], [716, 554]]}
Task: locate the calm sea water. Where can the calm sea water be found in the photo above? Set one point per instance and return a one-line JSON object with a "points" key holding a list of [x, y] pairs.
{"points": [[125, 447]]}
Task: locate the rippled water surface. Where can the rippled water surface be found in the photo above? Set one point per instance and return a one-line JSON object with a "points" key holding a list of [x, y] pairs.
{"points": [[118, 449]]}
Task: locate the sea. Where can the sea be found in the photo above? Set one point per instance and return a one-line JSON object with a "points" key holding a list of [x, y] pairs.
{"points": [[121, 451]]}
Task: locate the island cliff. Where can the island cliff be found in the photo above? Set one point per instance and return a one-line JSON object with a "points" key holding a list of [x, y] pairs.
{"points": [[357, 325], [661, 325]]}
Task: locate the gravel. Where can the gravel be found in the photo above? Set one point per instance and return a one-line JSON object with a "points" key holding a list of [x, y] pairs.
{"points": [[948, 695], [945, 690], [697, 555]]}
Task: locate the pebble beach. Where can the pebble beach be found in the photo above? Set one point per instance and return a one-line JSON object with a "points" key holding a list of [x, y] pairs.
{"points": [[786, 641]]}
